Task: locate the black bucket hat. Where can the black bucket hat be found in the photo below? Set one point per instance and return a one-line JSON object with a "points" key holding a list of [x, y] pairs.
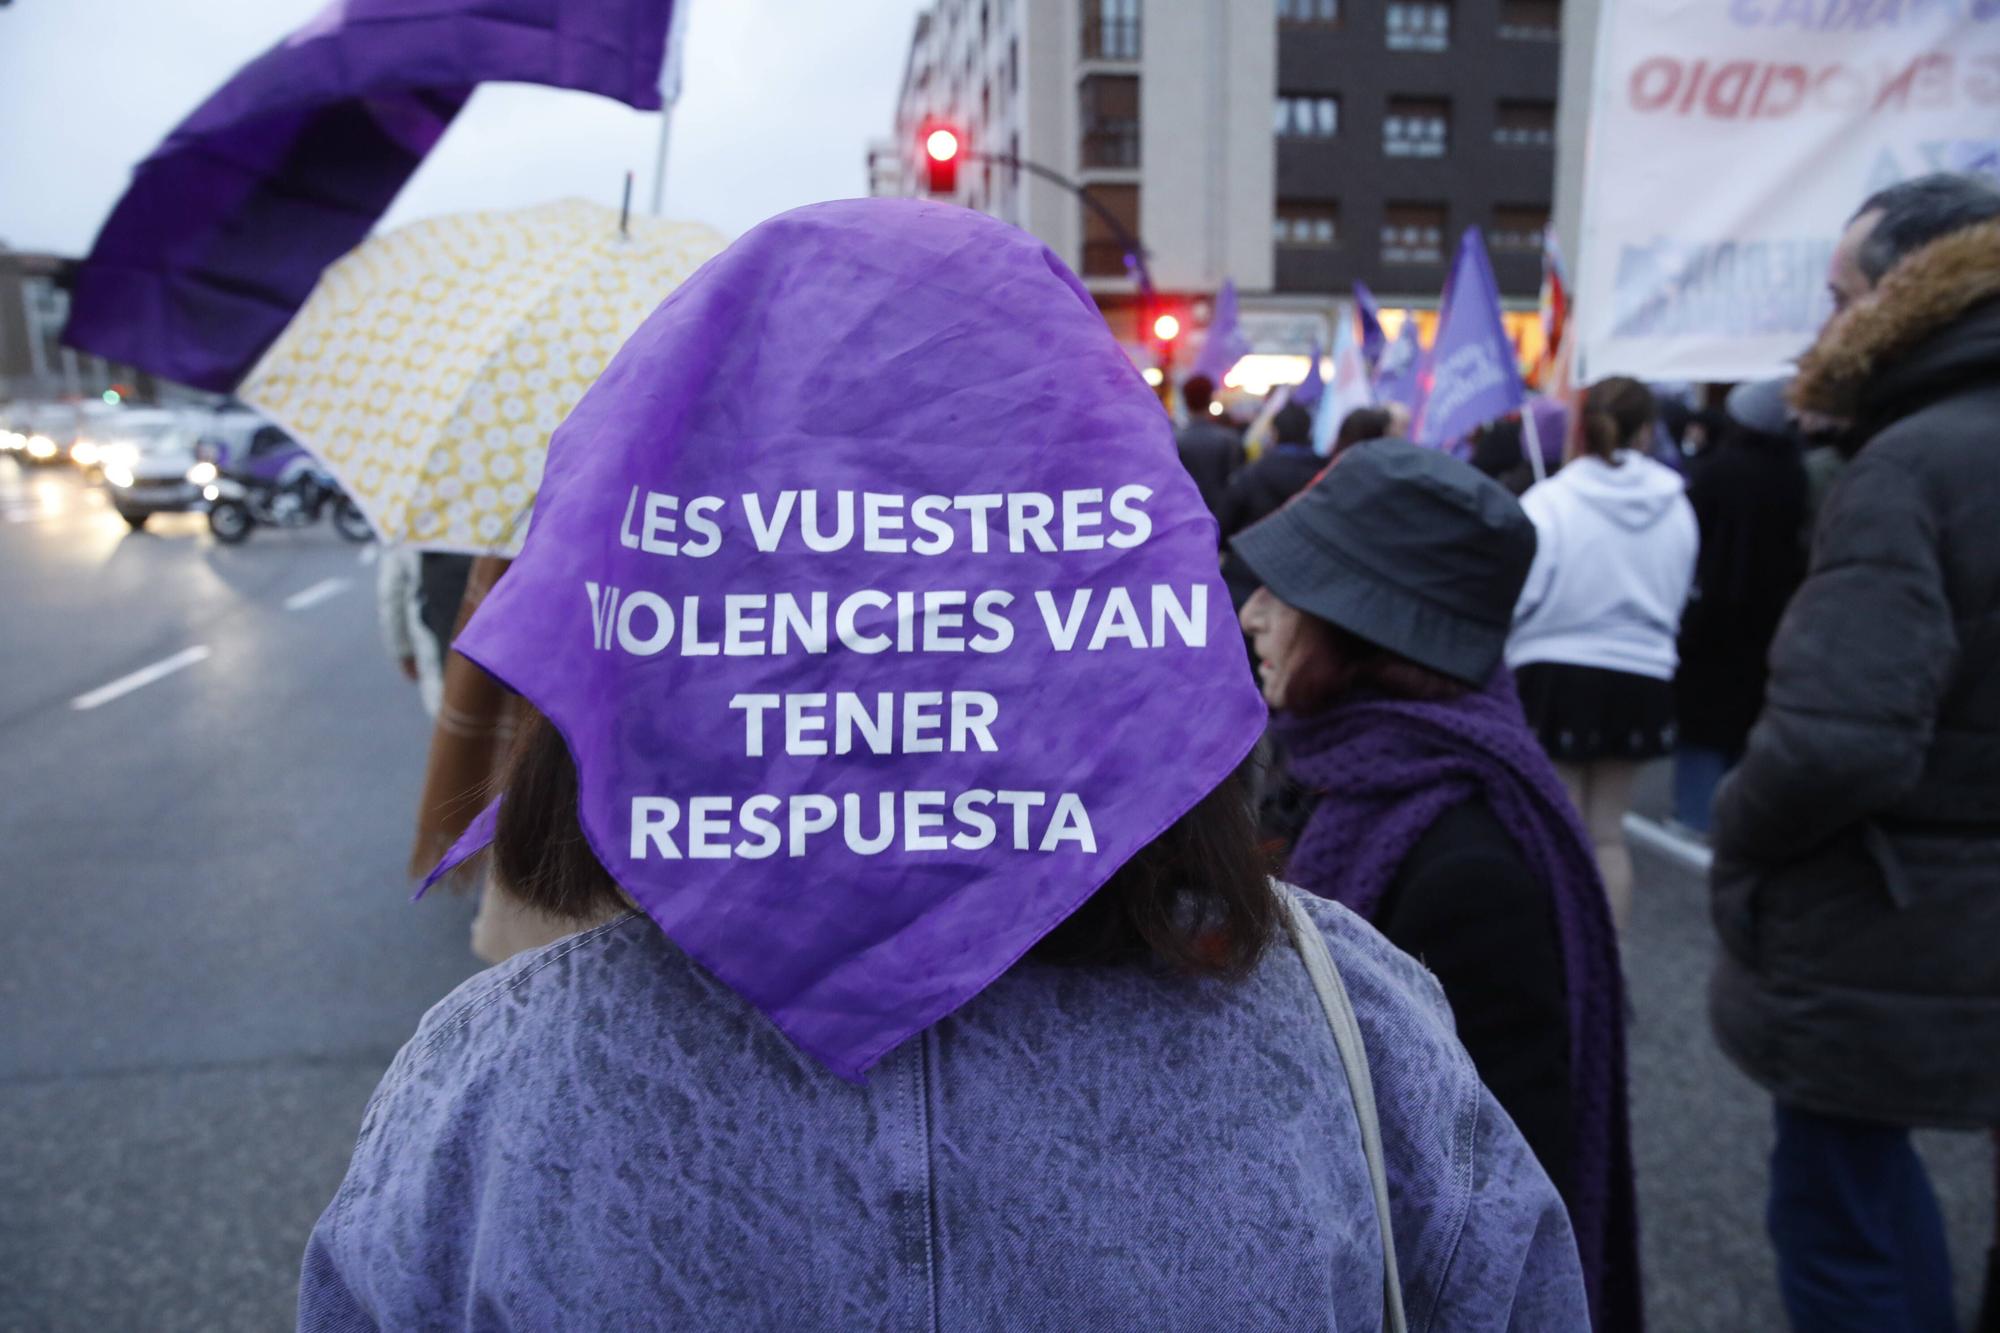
{"points": [[1406, 547]]}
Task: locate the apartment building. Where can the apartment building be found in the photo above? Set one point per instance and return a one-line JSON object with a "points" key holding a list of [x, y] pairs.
{"points": [[1160, 110], [1294, 146]]}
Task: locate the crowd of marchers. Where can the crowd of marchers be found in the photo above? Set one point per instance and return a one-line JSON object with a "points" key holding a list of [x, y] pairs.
{"points": [[1343, 1041]]}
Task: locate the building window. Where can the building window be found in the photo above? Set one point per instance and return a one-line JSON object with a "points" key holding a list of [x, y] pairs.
{"points": [[1104, 250], [1416, 127], [1110, 29], [1413, 234], [1518, 228], [1525, 125], [1419, 25], [1298, 117], [1110, 119], [1300, 224], [1531, 20], [1308, 11]]}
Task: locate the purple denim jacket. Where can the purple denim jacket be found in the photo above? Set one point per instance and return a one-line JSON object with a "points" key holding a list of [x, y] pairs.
{"points": [[599, 1135]]}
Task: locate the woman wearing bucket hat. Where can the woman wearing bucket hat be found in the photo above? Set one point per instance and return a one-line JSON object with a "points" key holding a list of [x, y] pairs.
{"points": [[1387, 592], [955, 994]]}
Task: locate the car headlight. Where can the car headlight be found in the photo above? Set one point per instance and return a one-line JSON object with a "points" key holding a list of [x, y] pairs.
{"points": [[83, 453], [41, 446], [118, 475], [201, 473]]}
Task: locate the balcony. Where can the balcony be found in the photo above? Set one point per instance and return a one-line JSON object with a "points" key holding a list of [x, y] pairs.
{"points": [[1110, 38]]}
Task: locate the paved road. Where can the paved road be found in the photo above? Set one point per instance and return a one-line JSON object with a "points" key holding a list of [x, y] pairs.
{"points": [[210, 957]]}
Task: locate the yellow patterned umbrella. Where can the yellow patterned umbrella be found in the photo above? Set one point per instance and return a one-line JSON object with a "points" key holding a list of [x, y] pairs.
{"points": [[430, 364]]}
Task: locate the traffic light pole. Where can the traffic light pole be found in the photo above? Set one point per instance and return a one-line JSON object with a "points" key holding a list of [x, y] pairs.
{"points": [[1090, 201]]}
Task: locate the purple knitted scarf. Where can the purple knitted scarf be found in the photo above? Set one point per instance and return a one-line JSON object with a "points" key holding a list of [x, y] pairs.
{"points": [[1385, 771]]}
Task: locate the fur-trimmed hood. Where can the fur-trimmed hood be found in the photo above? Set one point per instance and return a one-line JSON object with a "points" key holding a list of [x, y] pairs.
{"points": [[1931, 288]]}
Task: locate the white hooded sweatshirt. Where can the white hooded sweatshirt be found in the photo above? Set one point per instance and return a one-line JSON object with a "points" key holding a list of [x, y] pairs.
{"points": [[1614, 561]]}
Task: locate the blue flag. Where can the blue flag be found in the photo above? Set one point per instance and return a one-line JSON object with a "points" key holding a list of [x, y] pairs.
{"points": [[1373, 341], [1308, 390], [1471, 375], [1225, 344], [1399, 378]]}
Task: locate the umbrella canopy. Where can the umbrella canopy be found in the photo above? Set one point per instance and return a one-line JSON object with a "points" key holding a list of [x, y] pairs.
{"points": [[430, 365], [287, 166]]}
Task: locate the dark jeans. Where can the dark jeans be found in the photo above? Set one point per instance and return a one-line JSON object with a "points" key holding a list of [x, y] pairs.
{"points": [[1859, 1238], [1698, 771]]}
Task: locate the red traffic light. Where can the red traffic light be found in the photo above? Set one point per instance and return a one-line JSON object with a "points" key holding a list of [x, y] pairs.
{"points": [[942, 147], [1167, 328]]}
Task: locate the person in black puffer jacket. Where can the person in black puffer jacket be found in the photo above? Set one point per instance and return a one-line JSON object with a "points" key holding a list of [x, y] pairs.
{"points": [[1748, 489], [1857, 846]]}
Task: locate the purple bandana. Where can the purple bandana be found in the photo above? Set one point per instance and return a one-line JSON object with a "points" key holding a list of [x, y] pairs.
{"points": [[881, 620]]}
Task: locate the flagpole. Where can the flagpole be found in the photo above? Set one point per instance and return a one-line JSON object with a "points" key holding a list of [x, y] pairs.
{"points": [[1532, 434], [670, 96], [660, 160]]}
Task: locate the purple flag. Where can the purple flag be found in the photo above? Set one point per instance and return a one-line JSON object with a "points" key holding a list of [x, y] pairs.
{"points": [[1399, 378], [1373, 341], [1225, 344], [227, 226], [1471, 376], [868, 685], [1306, 393]]}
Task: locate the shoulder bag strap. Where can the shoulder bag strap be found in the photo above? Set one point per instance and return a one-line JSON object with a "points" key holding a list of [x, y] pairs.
{"points": [[1354, 1062]]}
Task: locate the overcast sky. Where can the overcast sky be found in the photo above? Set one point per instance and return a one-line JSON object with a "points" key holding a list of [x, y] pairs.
{"points": [[781, 98]]}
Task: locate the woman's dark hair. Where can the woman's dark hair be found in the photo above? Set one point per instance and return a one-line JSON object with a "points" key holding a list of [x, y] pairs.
{"points": [[1196, 898], [1615, 412], [1326, 663], [1197, 391], [1293, 425], [1363, 423]]}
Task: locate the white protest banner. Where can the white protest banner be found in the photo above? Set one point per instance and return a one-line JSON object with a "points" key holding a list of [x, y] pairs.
{"points": [[1729, 143]]}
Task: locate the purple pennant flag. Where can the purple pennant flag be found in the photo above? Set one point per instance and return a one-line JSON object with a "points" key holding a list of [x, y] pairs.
{"points": [[1308, 390], [1225, 344], [1373, 341], [868, 683], [1471, 374], [227, 226], [1399, 378]]}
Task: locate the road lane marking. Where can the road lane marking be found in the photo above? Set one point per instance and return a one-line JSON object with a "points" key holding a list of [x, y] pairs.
{"points": [[1657, 837], [144, 676], [314, 595]]}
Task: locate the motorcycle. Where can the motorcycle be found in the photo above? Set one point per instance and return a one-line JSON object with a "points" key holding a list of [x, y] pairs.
{"points": [[237, 504]]}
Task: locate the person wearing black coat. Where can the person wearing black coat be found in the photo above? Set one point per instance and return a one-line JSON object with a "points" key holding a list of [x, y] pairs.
{"points": [[1748, 489], [1210, 451], [1261, 489], [1856, 886]]}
